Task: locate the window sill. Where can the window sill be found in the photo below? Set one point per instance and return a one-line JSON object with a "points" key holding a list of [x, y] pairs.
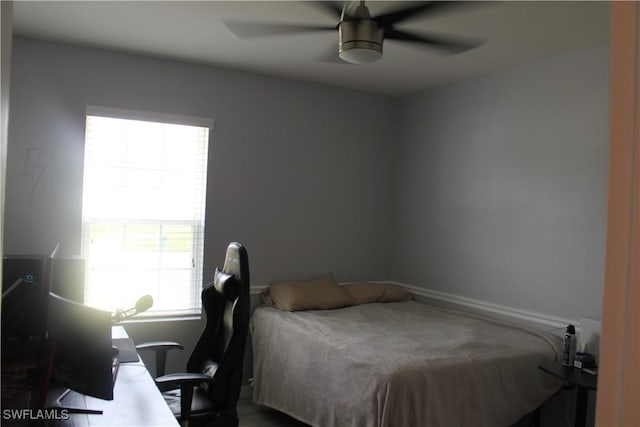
{"points": [[157, 319]]}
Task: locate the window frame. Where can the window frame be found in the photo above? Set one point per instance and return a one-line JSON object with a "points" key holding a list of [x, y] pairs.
{"points": [[197, 226]]}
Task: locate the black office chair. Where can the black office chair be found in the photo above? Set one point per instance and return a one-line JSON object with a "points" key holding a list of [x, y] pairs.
{"points": [[208, 393]]}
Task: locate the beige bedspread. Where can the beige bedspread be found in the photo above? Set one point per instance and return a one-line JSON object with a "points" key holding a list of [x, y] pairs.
{"points": [[398, 365]]}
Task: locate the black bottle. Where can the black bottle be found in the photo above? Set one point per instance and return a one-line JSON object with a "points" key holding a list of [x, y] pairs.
{"points": [[569, 346]]}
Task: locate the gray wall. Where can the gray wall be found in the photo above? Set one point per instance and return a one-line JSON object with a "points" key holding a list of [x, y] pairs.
{"points": [[493, 188], [6, 25], [293, 174], [501, 186]]}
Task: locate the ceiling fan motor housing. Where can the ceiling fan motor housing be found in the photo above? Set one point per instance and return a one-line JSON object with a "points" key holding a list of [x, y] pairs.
{"points": [[360, 41]]}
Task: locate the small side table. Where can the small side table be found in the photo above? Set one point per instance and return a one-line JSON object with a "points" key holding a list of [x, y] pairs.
{"points": [[574, 377]]}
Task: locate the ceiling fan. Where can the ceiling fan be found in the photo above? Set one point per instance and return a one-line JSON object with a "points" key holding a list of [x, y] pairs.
{"points": [[360, 36]]}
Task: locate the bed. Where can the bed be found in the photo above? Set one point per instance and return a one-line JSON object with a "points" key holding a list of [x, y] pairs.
{"points": [[398, 364]]}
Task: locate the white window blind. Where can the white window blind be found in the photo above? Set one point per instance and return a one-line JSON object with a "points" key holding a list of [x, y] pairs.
{"points": [[143, 210]]}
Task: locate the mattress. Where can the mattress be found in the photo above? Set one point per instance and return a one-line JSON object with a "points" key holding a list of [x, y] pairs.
{"points": [[403, 364]]}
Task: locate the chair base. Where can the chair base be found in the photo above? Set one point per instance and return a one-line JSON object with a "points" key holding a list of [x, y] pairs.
{"points": [[227, 418], [224, 418]]}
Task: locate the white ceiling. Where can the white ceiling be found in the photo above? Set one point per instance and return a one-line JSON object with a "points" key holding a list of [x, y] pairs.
{"points": [[515, 32]]}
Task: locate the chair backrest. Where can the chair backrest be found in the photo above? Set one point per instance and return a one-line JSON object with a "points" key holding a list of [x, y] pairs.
{"points": [[236, 262], [220, 351]]}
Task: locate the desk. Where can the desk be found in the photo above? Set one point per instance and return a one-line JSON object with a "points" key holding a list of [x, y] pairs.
{"points": [[574, 377], [137, 401]]}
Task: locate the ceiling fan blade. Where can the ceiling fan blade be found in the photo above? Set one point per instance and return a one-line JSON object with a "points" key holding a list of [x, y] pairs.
{"points": [[330, 55], [333, 7], [248, 30], [394, 17], [443, 43]]}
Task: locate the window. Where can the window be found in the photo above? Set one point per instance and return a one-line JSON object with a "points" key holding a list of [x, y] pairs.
{"points": [[143, 210]]}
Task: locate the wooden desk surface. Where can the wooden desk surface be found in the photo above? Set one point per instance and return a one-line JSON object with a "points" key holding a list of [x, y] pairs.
{"points": [[136, 402]]}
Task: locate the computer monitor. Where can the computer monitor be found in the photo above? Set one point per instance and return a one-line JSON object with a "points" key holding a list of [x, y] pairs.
{"points": [[67, 278], [81, 352]]}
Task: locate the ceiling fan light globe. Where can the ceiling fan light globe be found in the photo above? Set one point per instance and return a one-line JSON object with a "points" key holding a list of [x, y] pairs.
{"points": [[360, 53], [360, 41]]}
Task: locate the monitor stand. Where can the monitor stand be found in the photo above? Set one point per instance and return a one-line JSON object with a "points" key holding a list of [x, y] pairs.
{"points": [[57, 404]]}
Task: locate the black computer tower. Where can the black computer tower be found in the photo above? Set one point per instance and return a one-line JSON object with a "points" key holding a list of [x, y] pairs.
{"points": [[26, 283], [25, 286]]}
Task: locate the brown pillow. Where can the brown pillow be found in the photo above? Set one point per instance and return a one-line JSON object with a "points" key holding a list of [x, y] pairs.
{"points": [[315, 294], [394, 293], [366, 292], [266, 296]]}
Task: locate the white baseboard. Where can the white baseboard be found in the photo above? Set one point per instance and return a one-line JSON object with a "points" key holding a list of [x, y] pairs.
{"points": [[531, 318]]}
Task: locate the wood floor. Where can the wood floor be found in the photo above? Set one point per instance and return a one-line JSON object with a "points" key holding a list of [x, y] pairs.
{"points": [[252, 415]]}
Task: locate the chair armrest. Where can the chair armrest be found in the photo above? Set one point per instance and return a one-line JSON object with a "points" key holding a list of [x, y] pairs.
{"points": [[191, 379], [187, 382], [160, 348], [153, 345]]}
